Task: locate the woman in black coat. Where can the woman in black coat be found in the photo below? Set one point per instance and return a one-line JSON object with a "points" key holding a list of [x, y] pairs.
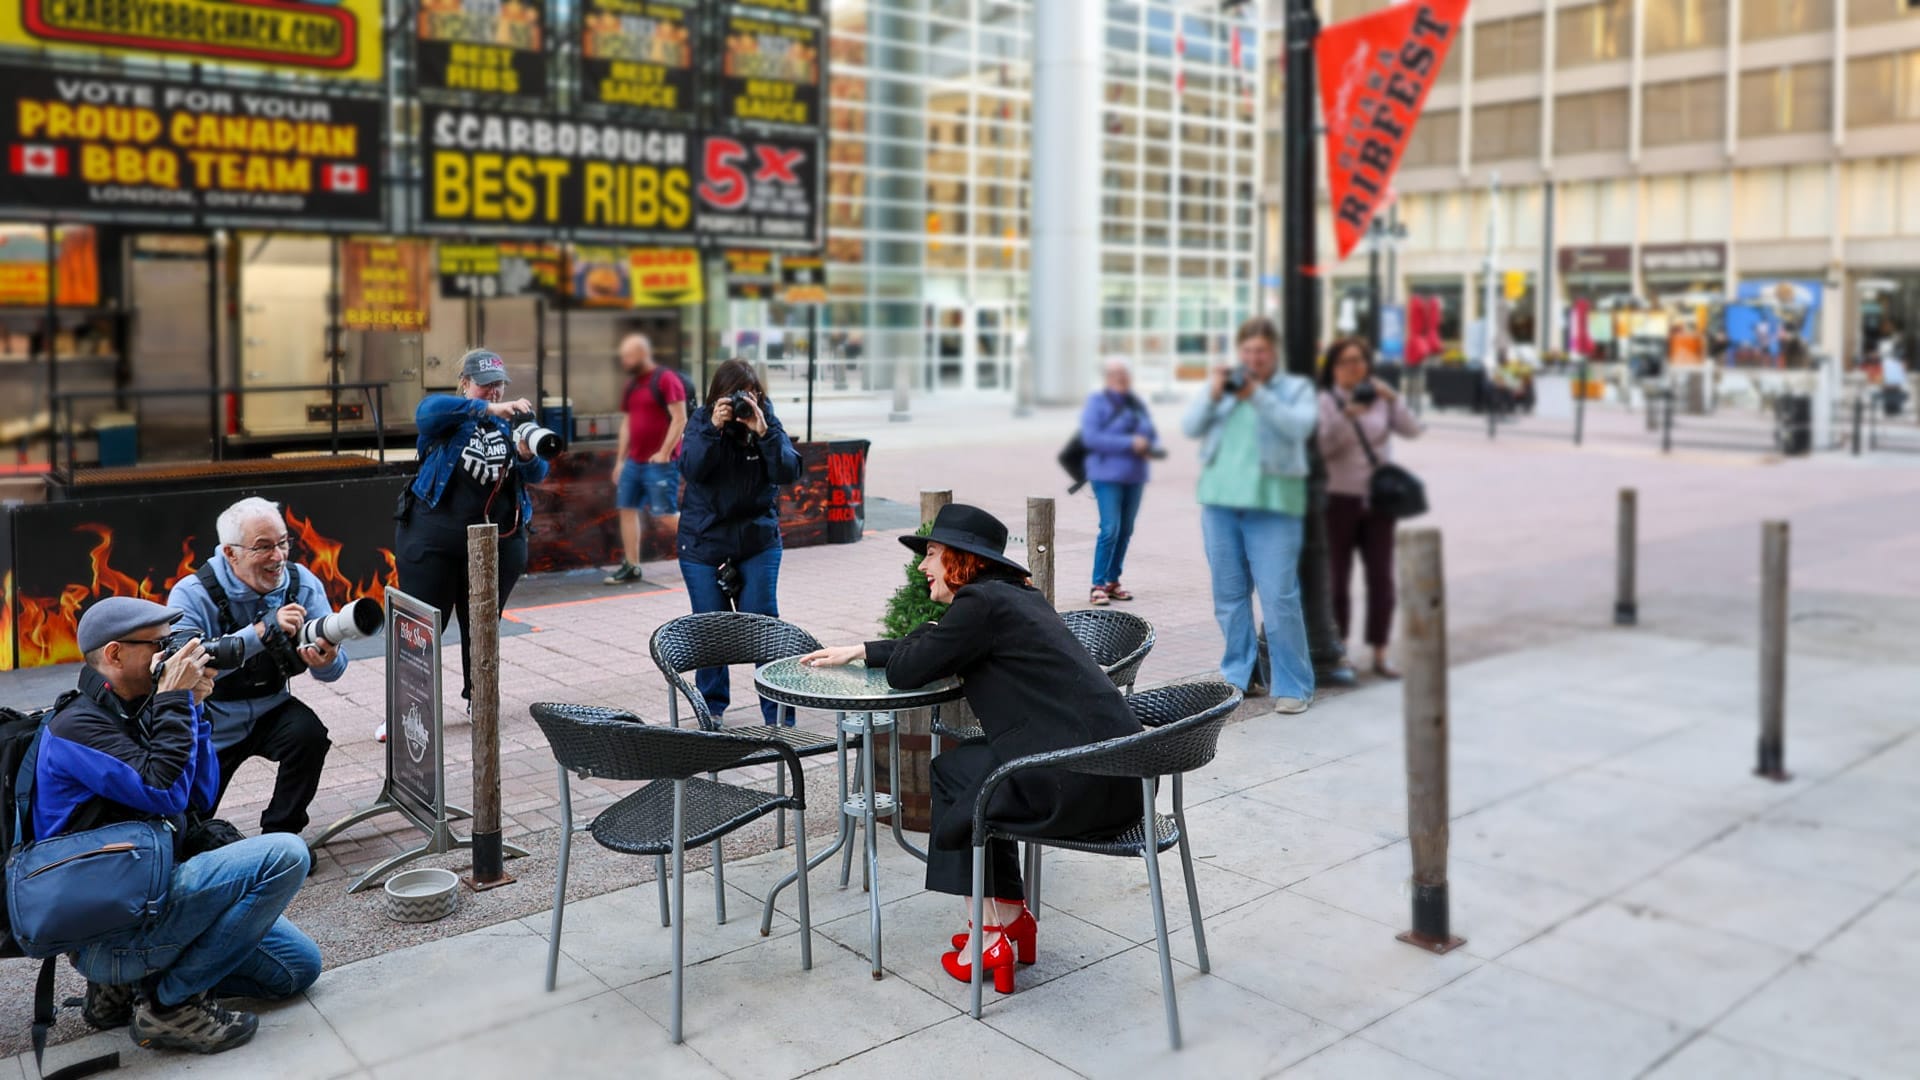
{"points": [[1035, 688]]}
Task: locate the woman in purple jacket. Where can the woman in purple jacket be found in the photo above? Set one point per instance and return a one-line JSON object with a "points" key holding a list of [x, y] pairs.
{"points": [[1119, 436]]}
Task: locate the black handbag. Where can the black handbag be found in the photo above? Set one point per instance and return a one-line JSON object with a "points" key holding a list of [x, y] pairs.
{"points": [[1073, 458], [1391, 490]]}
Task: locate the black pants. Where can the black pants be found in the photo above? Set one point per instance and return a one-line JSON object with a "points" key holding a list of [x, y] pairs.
{"points": [[1352, 527], [293, 736], [957, 775], [431, 557]]}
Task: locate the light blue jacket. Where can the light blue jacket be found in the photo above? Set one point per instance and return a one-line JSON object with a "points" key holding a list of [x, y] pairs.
{"points": [[233, 719], [1288, 406]]}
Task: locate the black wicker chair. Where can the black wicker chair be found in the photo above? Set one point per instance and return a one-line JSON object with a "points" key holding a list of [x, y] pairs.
{"points": [[1183, 731], [676, 809], [717, 639]]}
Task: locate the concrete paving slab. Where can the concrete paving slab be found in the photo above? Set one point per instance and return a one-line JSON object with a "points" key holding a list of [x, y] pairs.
{"points": [[1640, 960], [403, 1002], [1885, 940], [1367, 791], [1498, 1023], [754, 1017], [1271, 843], [1540, 835], [1112, 893], [1109, 1020], [960, 1039], [313, 1050], [1314, 958], [1867, 802], [1710, 1057], [1873, 861], [1354, 1058], [901, 876], [1842, 1018], [1768, 907], [601, 1036]]}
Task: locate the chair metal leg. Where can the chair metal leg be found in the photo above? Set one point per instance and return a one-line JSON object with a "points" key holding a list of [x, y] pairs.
{"points": [[1152, 854], [1186, 866], [779, 816], [719, 874], [560, 879], [679, 898], [660, 875], [800, 867], [976, 945]]}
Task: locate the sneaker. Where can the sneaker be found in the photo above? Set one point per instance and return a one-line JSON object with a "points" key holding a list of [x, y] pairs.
{"points": [[1291, 706], [107, 1007], [627, 573], [198, 1025]]}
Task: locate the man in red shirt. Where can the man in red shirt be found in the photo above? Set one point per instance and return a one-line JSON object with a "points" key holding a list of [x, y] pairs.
{"points": [[645, 472]]}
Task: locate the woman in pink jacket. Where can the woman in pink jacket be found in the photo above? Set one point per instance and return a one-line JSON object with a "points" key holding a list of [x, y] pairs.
{"points": [[1354, 405]]}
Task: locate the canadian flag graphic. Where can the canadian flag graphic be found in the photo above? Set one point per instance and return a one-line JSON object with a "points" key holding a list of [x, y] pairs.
{"points": [[344, 179], [39, 159]]}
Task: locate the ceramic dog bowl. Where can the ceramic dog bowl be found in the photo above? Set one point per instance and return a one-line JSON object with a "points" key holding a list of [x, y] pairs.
{"points": [[422, 895]]}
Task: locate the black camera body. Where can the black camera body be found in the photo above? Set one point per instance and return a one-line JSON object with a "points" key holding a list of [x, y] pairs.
{"points": [[744, 405], [730, 580], [223, 653], [1366, 393], [1157, 452], [1236, 381]]}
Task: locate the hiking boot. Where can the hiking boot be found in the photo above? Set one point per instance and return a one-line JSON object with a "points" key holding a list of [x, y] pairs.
{"points": [[107, 1007], [199, 1025], [626, 574]]}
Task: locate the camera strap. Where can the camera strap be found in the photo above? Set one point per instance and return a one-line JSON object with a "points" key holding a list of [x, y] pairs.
{"points": [[267, 672]]}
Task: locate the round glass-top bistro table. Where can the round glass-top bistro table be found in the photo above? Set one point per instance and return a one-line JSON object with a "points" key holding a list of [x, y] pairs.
{"points": [[865, 707]]}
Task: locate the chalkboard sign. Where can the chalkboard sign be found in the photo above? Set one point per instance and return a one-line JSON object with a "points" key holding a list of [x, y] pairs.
{"points": [[416, 774]]}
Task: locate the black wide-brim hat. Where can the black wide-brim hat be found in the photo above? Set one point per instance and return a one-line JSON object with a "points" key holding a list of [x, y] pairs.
{"points": [[970, 529]]}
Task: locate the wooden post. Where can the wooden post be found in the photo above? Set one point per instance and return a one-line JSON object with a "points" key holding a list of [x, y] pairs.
{"points": [[930, 504], [1423, 656], [1626, 610], [1040, 544], [1773, 651], [483, 651]]}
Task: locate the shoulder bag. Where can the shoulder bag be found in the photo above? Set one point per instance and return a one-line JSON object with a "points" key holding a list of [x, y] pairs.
{"points": [[1391, 490]]}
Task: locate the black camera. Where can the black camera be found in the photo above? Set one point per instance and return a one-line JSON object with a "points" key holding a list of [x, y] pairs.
{"points": [[222, 653], [1236, 381], [1366, 393], [1157, 452], [545, 442], [730, 580], [743, 404]]}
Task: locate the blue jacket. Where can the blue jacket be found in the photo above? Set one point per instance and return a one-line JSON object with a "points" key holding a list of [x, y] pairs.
{"points": [[1107, 427], [731, 509], [446, 422], [232, 720], [99, 764], [1288, 407]]}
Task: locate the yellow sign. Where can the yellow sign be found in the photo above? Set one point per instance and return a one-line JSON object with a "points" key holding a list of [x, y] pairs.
{"points": [[384, 284], [339, 40], [1516, 282], [666, 277]]}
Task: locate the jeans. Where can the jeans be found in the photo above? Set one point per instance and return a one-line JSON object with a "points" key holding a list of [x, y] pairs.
{"points": [[222, 929], [1352, 527], [293, 736], [1119, 505], [649, 486], [759, 594], [1252, 551], [430, 554]]}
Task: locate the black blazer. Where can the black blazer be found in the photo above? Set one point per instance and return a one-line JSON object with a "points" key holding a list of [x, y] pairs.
{"points": [[1035, 688]]}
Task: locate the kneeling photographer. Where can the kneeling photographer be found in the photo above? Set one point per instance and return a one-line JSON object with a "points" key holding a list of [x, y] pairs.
{"points": [[735, 457], [478, 453], [251, 599]]}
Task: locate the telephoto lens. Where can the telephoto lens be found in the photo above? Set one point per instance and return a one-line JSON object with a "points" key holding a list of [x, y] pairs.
{"points": [[360, 619], [545, 442]]}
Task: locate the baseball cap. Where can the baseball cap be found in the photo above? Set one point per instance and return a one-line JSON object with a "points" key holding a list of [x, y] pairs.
{"points": [[483, 366], [115, 617]]}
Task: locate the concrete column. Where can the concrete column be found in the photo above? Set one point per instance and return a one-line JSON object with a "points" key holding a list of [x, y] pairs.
{"points": [[1064, 275], [896, 177]]}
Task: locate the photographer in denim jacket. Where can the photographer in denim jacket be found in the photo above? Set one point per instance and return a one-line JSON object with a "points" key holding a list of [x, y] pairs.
{"points": [[735, 457], [472, 470]]}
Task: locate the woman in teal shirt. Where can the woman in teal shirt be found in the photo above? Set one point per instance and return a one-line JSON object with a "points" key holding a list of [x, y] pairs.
{"points": [[1253, 498]]}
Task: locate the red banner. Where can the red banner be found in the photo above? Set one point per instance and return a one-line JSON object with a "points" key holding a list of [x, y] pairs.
{"points": [[1375, 72]]}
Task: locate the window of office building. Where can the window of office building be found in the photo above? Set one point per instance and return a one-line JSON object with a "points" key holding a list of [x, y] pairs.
{"points": [[1883, 89], [1590, 123], [1762, 19], [1507, 47], [1788, 100], [1506, 132], [1872, 12], [1679, 25], [1687, 111], [1594, 33], [1435, 140]]}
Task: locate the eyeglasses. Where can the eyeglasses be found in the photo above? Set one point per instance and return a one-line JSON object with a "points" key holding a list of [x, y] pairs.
{"points": [[262, 550]]}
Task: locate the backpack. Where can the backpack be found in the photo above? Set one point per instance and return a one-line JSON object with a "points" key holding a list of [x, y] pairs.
{"points": [[686, 384], [19, 751]]}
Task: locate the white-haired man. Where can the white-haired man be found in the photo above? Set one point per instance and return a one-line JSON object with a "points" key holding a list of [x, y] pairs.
{"points": [[251, 590]]}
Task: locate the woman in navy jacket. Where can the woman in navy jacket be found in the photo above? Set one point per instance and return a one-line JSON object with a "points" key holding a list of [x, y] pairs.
{"points": [[472, 470], [734, 460]]}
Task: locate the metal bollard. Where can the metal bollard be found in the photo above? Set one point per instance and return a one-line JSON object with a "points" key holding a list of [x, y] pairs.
{"points": [[1666, 423], [1579, 402], [1423, 654], [1859, 421], [1773, 652], [1626, 609]]}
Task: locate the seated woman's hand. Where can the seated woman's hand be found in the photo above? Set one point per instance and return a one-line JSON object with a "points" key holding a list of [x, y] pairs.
{"points": [[839, 656]]}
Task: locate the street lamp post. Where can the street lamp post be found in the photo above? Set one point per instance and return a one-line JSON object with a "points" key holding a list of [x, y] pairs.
{"points": [[1383, 237]]}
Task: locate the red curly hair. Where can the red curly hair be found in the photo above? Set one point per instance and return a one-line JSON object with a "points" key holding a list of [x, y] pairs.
{"points": [[960, 568]]}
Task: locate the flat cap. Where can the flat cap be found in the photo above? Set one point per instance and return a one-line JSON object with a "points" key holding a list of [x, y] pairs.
{"points": [[117, 616]]}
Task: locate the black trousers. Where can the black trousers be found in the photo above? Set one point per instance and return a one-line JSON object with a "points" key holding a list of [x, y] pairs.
{"points": [[1352, 527], [957, 775], [431, 557], [293, 736]]}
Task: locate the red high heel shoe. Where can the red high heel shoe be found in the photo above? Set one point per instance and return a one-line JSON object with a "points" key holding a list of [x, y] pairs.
{"points": [[1023, 932], [997, 960]]}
